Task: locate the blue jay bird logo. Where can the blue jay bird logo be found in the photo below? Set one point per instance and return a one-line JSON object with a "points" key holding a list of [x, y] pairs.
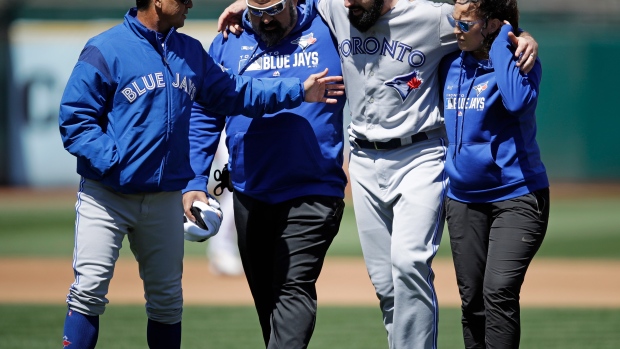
{"points": [[404, 84], [305, 41], [481, 87]]}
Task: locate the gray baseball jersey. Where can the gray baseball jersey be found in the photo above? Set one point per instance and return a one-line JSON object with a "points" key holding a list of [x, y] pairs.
{"points": [[391, 80], [390, 71]]}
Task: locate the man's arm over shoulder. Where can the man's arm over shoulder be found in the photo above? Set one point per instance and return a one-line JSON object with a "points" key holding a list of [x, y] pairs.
{"points": [[446, 31], [519, 90]]}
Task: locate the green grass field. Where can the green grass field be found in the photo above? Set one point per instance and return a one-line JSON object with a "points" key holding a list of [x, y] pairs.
{"points": [[587, 228], [578, 229], [124, 327]]}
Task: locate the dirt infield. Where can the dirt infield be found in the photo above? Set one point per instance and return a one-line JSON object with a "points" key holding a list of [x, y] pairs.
{"points": [[344, 281], [550, 282]]}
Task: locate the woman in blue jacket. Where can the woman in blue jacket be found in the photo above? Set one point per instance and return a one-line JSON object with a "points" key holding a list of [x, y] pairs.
{"points": [[498, 199]]}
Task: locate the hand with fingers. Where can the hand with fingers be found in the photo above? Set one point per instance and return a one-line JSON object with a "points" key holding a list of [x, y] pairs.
{"points": [[526, 50], [319, 87], [188, 200], [207, 220], [230, 19]]}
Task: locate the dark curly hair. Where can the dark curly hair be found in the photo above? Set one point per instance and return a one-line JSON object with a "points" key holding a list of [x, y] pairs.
{"points": [[504, 10], [142, 4]]}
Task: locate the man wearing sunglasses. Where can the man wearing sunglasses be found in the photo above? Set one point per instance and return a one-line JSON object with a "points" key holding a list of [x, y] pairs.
{"points": [[390, 51], [125, 115], [286, 168]]}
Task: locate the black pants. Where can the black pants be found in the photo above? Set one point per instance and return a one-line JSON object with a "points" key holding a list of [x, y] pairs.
{"points": [[282, 249], [492, 246]]}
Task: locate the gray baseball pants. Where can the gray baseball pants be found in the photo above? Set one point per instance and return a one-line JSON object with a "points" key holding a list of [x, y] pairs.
{"points": [[398, 198], [153, 223]]}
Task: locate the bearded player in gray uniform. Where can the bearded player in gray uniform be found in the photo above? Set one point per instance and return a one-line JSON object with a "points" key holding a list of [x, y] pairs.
{"points": [[390, 50]]}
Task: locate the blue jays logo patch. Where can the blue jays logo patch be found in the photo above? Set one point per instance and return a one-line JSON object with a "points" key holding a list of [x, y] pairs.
{"points": [[481, 87], [305, 41], [404, 84]]}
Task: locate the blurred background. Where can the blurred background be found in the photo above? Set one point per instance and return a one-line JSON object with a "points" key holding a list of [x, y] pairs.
{"points": [[40, 41], [578, 121]]}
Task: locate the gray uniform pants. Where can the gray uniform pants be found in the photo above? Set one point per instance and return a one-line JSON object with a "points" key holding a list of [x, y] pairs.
{"points": [[153, 223], [282, 249], [398, 197], [492, 246]]}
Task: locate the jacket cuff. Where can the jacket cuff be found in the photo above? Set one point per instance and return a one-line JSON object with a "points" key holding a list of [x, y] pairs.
{"points": [[199, 183], [302, 91]]}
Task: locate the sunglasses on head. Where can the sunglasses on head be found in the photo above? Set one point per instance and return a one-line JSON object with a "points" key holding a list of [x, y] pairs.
{"points": [[464, 26], [270, 10]]}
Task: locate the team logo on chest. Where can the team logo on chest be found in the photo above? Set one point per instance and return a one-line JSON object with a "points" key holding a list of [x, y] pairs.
{"points": [[153, 81], [404, 84], [276, 62], [305, 41], [481, 87]]}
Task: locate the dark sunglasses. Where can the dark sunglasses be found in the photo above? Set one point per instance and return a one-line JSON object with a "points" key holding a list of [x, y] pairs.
{"points": [[270, 10], [464, 26], [185, 2]]}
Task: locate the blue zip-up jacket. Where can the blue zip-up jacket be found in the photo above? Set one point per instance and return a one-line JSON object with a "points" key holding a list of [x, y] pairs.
{"points": [[296, 152], [126, 107], [489, 110]]}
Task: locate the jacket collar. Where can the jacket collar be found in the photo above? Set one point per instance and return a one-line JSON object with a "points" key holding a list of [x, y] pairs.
{"points": [[153, 37], [471, 62]]}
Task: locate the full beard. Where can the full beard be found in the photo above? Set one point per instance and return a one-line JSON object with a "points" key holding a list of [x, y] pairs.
{"points": [[274, 31], [368, 18]]}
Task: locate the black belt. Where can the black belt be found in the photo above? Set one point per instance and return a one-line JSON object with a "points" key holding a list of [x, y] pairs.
{"points": [[392, 143]]}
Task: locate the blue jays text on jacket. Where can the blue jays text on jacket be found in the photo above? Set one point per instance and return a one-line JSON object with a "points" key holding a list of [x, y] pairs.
{"points": [[489, 109], [126, 107], [293, 153]]}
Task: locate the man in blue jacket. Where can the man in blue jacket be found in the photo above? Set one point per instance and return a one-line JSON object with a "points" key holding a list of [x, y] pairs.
{"points": [[286, 168], [125, 115]]}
